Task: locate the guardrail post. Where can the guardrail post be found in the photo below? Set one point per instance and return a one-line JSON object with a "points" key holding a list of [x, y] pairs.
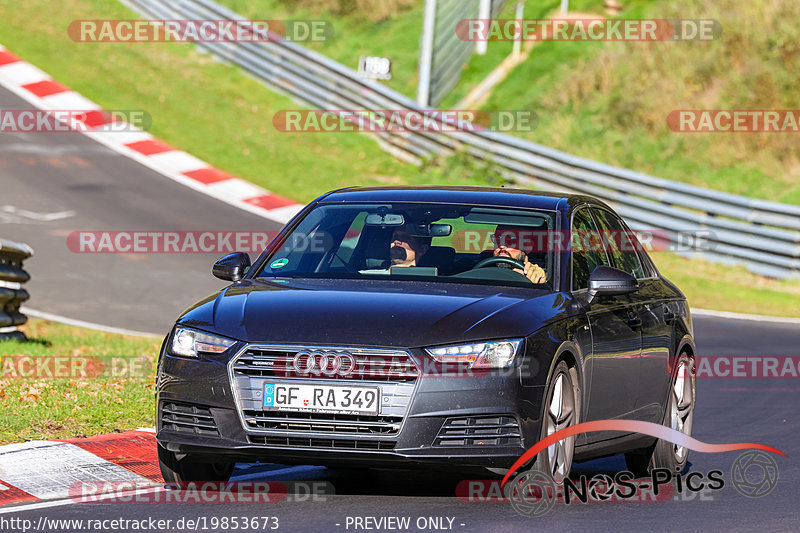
{"points": [[519, 14], [484, 14], [12, 276], [426, 53]]}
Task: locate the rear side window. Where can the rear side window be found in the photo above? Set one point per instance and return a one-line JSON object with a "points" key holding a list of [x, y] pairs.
{"points": [[620, 243], [584, 258]]}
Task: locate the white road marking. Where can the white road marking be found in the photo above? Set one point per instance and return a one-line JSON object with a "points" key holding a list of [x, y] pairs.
{"points": [[741, 316], [42, 217], [82, 324], [11, 219]]}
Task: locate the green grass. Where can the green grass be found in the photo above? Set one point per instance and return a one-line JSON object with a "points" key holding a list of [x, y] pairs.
{"points": [[393, 32], [729, 288], [37, 403], [609, 101]]}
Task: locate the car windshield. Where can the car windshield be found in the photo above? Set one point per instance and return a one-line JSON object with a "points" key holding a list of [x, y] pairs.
{"points": [[418, 242]]}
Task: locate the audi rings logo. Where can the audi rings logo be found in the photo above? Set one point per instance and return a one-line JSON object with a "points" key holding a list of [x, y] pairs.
{"points": [[324, 363]]}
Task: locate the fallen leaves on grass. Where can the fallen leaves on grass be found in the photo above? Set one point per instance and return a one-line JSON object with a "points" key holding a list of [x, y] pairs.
{"points": [[32, 395]]}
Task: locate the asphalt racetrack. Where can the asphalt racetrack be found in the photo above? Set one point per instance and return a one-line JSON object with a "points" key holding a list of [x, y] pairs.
{"points": [[53, 185]]}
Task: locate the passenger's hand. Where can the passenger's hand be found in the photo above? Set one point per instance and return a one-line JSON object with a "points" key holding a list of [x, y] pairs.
{"points": [[533, 272]]}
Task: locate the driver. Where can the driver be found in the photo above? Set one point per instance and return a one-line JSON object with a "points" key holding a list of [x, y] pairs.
{"points": [[508, 241]]}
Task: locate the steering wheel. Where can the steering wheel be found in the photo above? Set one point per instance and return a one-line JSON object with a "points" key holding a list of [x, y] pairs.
{"points": [[494, 261]]}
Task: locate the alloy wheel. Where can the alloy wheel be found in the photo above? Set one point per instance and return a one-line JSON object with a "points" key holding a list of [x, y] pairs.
{"points": [[561, 413], [683, 393]]}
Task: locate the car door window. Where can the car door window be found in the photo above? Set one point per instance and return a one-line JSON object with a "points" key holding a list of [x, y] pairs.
{"points": [[585, 256], [620, 243]]}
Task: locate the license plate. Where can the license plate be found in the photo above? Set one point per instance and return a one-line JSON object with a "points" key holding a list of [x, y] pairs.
{"points": [[334, 399]]}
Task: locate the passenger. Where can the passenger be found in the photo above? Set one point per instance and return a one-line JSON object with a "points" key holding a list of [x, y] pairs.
{"points": [[406, 249]]}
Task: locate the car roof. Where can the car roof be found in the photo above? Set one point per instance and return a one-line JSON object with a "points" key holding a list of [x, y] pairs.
{"points": [[470, 195]]}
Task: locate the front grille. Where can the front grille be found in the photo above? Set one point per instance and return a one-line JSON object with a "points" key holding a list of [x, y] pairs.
{"points": [[339, 444], [498, 430], [393, 372], [324, 423], [187, 418], [371, 365]]}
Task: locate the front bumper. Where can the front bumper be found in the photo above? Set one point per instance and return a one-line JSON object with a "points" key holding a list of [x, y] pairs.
{"points": [[449, 421]]}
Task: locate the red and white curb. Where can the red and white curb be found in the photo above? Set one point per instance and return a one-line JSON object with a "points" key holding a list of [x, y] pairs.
{"points": [[42, 471], [39, 89]]}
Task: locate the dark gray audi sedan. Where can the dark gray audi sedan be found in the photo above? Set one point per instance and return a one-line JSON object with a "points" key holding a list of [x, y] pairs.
{"points": [[441, 326]]}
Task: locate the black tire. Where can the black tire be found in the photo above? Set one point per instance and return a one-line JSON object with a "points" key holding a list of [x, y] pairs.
{"points": [[556, 460], [638, 461], [679, 415], [192, 469]]}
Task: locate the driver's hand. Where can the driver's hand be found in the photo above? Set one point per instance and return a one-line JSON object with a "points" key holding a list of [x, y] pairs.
{"points": [[533, 272]]}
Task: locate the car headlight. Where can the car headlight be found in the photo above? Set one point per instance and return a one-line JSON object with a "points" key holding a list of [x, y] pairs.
{"points": [[189, 342], [494, 354]]}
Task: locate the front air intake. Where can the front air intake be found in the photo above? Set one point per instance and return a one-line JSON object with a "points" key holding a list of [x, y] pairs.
{"points": [[501, 430]]}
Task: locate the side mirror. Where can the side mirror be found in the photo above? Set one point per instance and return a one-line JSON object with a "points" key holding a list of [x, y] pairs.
{"points": [[232, 267], [606, 280]]}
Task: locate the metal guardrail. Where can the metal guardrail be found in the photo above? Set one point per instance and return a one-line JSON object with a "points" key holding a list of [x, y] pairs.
{"points": [[448, 53], [763, 235], [12, 276]]}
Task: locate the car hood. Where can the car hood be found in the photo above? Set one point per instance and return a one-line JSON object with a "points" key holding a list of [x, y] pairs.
{"points": [[372, 313]]}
